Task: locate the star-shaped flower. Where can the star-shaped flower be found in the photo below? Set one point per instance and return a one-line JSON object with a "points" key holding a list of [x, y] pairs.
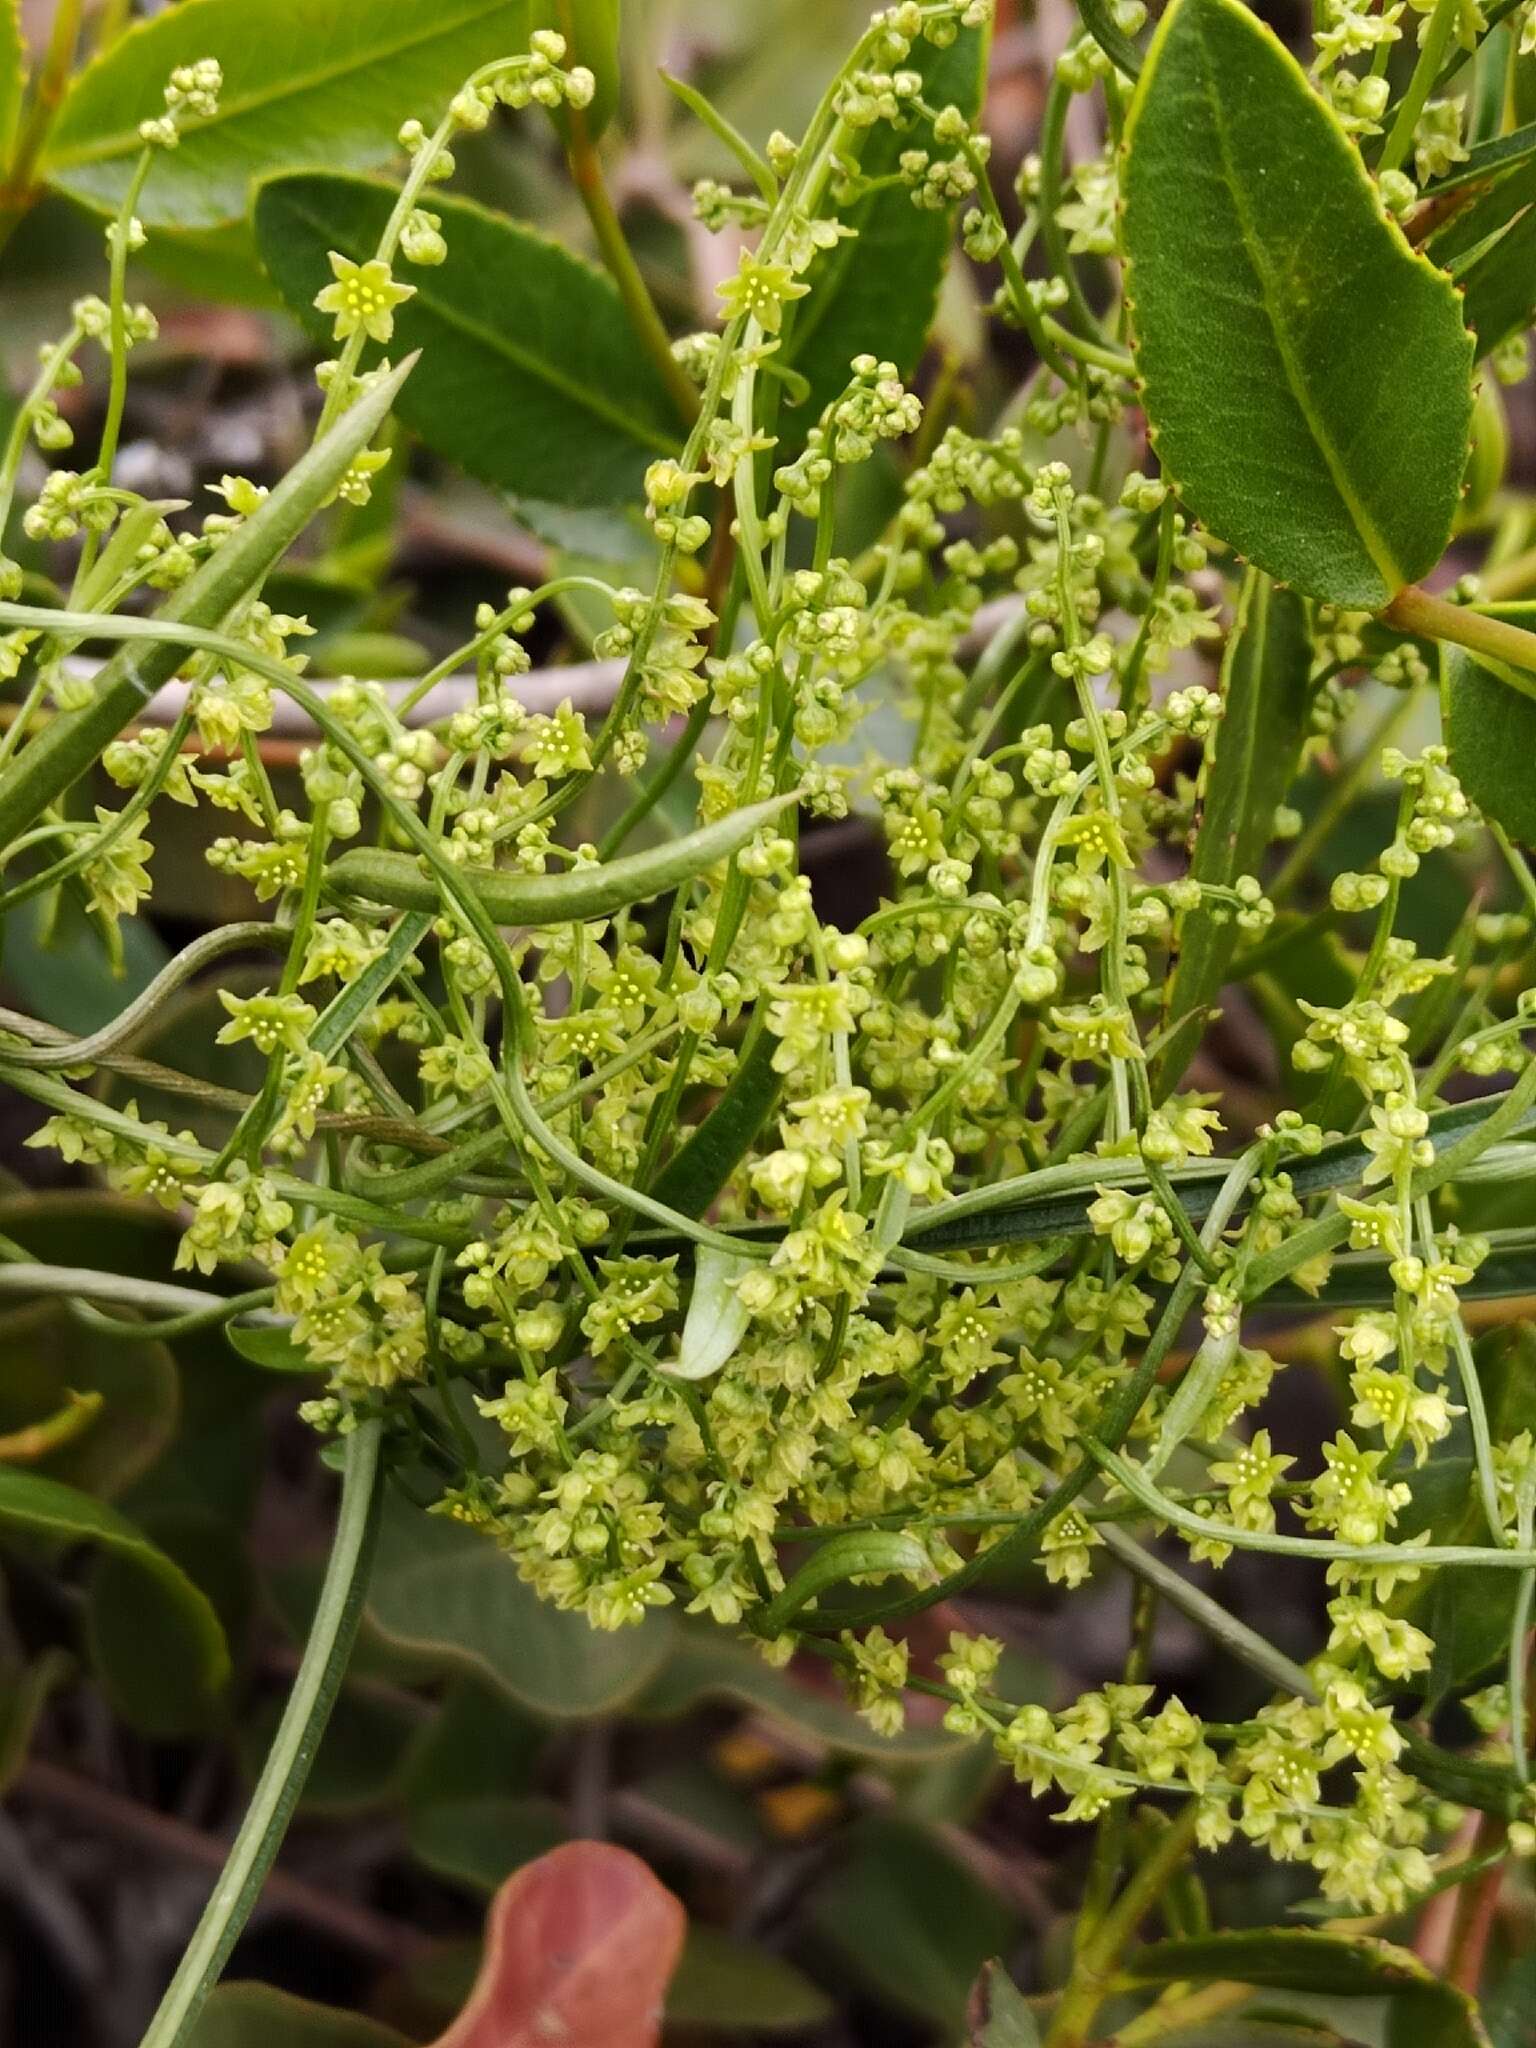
{"points": [[363, 298]]}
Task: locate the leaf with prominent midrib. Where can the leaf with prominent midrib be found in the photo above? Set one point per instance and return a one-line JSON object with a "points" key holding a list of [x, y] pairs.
{"points": [[1250, 764], [530, 376], [319, 81], [1306, 375]]}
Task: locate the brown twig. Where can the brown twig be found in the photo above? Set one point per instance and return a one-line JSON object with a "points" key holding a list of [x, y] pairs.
{"points": [[358, 1927]]}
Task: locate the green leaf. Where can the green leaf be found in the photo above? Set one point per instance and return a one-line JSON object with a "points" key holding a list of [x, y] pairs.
{"points": [[912, 1923], [448, 1598], [529, 378], [479, 1841], [717, 1317], [998, 2014], [143, 1656], [1491, 732], [328, 81], [1308, 1959], [591, 31], [722, 1985], [260, 2016], [1501, 286], [878, 294], [1307, 378], [713, 1150], [1265, 695], [269, 1345], [13, 74], [183, 1617]]}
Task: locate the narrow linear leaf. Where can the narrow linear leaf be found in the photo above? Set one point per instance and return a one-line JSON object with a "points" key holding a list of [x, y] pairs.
{"points": [[327, 81], [1277, 315], [702, 1165], [24, 1692], [38, 1506], [878, 294], [1491, 732], [529, 378], [1265, 693], [1499, 284]]}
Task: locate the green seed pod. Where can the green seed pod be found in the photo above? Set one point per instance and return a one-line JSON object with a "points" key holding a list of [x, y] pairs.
{"points": [[570, 898]]}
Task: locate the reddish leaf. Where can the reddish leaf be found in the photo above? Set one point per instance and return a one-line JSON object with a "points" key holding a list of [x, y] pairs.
{"points": [[579, 1948]]}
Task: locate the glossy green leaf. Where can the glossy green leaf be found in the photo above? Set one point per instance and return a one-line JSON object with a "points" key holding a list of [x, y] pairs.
{"points": [[261, 2016], [319, 81], [1310, 1960], [1307, 377], [878, 294], [725, 1986], [530, 378], [1491, 732], [998, 2015], [913, 1924], [591, 31], [1247, 771], [448, 1599], [13, 74], [183, 1616], [479, 1841]]}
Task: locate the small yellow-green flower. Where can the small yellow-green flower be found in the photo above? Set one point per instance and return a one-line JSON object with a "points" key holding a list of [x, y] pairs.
{"points": [[363, 298]]}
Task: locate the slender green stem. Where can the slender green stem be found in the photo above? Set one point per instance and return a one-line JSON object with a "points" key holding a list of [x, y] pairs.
{"points": [[282, 1779], [619, 260], [1514, 650], [1431, 53]]}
